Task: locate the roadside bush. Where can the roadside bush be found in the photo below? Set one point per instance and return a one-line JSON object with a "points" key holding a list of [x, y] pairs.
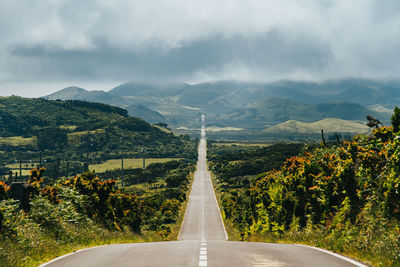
{"points": [[105, 204], [4, 188]]}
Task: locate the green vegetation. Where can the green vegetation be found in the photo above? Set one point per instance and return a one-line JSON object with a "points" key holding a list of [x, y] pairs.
{"points": [[343, 198], [272, 111], [248, 105], [113, 164], [235, 166], [84, 211], [396, 119], [78, 133], [328, 125]]}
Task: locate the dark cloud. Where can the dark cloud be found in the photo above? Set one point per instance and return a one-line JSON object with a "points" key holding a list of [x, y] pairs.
{"points": [[101, 40]]}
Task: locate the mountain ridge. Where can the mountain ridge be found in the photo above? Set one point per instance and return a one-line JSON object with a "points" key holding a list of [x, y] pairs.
{"points": [[238, 104]]}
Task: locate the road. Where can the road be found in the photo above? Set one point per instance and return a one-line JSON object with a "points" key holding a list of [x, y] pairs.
{"points": [[202, 241]]}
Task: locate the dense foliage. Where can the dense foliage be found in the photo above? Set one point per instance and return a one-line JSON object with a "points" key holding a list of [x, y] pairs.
{"points": [[345, 198], [79, 132], [87, 205], [235, 165]]}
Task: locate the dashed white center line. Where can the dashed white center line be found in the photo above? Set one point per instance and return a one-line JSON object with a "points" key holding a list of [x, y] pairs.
{"points": [[203, 253]]}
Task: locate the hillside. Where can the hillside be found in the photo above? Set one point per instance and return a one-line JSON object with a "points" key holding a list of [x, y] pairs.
{"points": [[251, 105], [79, 127], [146, 114], [329, 125], [272, 111], [343, 197]]}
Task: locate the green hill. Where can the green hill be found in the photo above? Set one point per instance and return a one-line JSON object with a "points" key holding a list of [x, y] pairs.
{"points": [[76, 128], [146, 114], [329, 125], [272, 111], [251, 105]]}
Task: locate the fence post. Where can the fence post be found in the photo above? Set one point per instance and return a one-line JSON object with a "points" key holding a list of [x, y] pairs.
{"points": [[20, 191], [67, 169], [10, 176], [323, 137], [20, 163], [56, 168]]}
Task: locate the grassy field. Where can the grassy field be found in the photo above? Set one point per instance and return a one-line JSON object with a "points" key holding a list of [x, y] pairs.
{"points": [[26, 167], [241, 144], [113, 164], [18, 141]]}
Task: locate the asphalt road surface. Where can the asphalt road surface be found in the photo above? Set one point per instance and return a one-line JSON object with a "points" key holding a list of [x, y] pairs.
{"points": [[202, 241]]}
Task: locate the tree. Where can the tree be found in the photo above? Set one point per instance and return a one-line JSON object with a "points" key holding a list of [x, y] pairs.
{"points": [[51, 138], [373, 122], [396, 119]]}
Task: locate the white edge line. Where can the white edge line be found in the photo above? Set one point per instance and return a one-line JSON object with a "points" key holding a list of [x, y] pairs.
{"points": [[215, 197], [354, 262], [184, 216], [69, 254]]}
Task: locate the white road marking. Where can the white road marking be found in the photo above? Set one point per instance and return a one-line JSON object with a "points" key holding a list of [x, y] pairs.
{"points": [[202, 209], [203, 257], [356, 263], [203, 249], [202, 263], [203, 252]]}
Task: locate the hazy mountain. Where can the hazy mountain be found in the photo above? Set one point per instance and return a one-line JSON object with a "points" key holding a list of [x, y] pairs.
{"points": [[277, 110], [250, 104], [148, 89], [366, 94], [77, 93], [146, 114], [67, 93], [329, 125], [197, 98]]}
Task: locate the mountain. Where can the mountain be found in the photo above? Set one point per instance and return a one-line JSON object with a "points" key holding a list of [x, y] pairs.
{"points": [[252, 105], [146, 114], [148, 89], [77, 93], [71, 93], [385, 94], [271, 111], [329, 125]]}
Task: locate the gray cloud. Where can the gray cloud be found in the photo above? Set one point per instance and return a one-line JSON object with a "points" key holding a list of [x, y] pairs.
{"points": [[104, 40]]}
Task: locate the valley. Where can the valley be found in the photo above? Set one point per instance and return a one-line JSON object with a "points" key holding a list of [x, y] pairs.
{"points": [[250, 106]]}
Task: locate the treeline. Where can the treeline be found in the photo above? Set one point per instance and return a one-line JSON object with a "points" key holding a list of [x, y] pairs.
{"points": [[344, 198], [235, 166], [154, 172], [82, 132], [76, 210]]}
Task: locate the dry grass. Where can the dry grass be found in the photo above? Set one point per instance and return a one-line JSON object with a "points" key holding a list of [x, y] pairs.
{"points": [[113, 164], [18, 141], [242, 144]]}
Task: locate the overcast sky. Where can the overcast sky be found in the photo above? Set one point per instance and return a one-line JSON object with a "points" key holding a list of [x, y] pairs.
{"points": [[46, 45]]}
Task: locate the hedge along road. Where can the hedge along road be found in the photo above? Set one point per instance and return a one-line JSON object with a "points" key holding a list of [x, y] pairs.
{"points": [[202, 240]]}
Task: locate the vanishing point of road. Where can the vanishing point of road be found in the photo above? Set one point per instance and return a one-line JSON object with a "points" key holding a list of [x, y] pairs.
{"points": [[202, 241]]}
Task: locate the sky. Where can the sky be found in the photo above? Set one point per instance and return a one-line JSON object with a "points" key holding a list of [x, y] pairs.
{"points": [[46, 45]]}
